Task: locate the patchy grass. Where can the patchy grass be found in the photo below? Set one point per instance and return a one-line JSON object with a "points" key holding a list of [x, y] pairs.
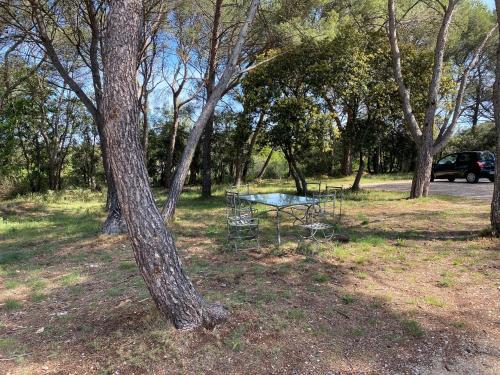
{"points": [[348, 299], [400, 294], [412, 328], [434, 301], [12, 304]]}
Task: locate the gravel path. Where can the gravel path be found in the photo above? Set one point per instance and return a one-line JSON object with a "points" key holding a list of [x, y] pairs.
{"points": [[483, 190]]}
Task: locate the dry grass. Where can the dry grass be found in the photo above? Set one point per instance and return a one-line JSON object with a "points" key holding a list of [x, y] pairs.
{"points": [[415, 290]]}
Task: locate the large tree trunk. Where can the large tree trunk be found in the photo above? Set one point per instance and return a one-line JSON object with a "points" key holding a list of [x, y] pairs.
{"points": [[346, 163], [152, 242], [423, 170], [114, 223], [145, 124], [495, 202], [361, 169]]}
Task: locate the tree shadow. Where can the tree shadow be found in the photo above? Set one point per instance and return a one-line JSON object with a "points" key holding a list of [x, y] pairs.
{"points": [[290, 314]]}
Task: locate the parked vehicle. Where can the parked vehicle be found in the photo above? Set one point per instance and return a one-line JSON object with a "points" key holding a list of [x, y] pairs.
{"points": [[471, 165]]}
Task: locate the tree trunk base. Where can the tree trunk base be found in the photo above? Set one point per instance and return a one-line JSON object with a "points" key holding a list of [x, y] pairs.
{"points": [[422, 176], [114, 225], [215, 314]]}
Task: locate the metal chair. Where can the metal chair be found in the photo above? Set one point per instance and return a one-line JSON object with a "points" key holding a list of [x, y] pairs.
{"points": [[339, 199], [241, 223], [326, 204], [313, 228]]}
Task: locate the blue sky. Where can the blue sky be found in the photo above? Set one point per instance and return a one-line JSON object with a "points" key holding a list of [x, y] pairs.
{"points": [[490, 3]]}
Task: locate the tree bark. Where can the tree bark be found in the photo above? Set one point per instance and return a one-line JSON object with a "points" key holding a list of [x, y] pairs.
{"points": [[145, 123], [206, 159], [422, 175], [114, 222], [495, 202], [154, 248], [195, 134], [423, 136], [253, 140], [346, 165], [477, 101], [206, 154], [171, 145], [298, 177], [361, 169]]}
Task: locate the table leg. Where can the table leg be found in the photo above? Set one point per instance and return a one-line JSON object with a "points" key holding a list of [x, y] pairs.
{"points": [[278, 226]]}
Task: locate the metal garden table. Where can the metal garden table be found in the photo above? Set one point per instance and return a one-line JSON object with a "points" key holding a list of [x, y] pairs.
{"points": [[280, 202]]}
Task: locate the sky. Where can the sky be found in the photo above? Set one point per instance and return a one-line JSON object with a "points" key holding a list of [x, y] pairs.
{"points": [[490, 3]]}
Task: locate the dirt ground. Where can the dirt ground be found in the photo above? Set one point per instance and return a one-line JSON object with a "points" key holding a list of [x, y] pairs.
{"points": [[415, 291]]}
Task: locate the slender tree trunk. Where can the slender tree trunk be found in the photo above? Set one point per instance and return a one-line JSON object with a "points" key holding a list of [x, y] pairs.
{"points": [[266, 163], [153, 244], [171, 146], [376, 161], [195, 134], [301, 176], [193, 170], [495, 202], [206, 152], [361, 169], [206, 159], [238, 168], [52, 174], [296, 179], [300, 182], [253, 140], [477, 102]]}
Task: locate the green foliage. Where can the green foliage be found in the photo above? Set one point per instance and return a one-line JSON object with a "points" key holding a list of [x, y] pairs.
{"points": [[473, 139]]}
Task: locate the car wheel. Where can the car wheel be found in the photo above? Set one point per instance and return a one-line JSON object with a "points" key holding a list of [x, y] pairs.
{"points": [[432, 177], [451, 179], [492, 179], [471, 177]]}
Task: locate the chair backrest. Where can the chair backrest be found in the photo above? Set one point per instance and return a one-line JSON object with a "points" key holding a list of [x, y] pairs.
{"points": [[235, 206], [232, 203], [242, 189], [316, 188], [325, 203], [339, 196], [338, 190]]}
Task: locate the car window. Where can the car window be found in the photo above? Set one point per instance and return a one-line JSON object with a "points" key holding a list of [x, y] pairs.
{"points": [[464, 158], [450, 159], [487, 156]]}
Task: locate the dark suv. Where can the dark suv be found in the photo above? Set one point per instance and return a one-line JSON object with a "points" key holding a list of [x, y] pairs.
{"points": [[471, 165]]}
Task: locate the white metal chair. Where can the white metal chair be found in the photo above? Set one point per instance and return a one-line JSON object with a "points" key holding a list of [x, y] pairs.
{"points": [[314, 227], [241, 223], [339, 199]]}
